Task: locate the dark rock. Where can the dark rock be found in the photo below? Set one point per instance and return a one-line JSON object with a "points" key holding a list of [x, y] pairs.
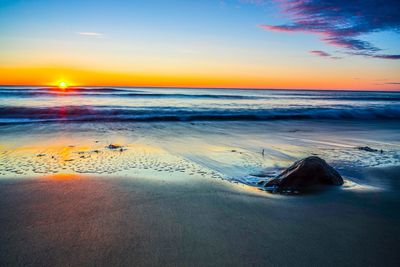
{"points": [[368, 149], [305, 173]]}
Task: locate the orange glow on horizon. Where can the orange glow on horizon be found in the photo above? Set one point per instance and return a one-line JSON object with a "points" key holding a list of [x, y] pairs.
{"points": [[304, 79]]}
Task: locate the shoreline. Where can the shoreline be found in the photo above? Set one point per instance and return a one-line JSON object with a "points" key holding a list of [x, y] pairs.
{"points": [[227, 150]]}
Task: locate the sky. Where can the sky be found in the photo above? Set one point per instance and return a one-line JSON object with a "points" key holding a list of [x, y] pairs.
{"points": [[292, 44]]}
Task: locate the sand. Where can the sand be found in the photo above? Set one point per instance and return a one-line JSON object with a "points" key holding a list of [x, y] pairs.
{"points": [[166, 199], [79, 220]]}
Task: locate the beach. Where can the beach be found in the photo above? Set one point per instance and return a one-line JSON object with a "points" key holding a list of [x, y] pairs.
{"points": [[182, 194], [142, 188], [78, 220], [199, 133]]}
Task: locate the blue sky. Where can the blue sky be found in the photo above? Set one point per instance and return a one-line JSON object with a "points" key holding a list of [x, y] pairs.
{"points": [[211, 40]]}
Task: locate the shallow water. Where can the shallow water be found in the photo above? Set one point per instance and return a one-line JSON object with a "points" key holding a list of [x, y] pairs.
{"points": [[237, 151]]}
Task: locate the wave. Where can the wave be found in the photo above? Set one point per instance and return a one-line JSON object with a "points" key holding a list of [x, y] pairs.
{"points": [[198, 94], [70, 89], [17, 114], [125, 94]]}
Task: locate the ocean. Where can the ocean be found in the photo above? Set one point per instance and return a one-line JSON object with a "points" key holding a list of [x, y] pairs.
{"points": [[34, 104], [241, 136]]}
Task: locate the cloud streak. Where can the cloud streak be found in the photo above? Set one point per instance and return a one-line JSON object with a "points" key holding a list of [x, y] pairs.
{"points": [[91, 34], [320, 53], [342, 23], [323, 54]]}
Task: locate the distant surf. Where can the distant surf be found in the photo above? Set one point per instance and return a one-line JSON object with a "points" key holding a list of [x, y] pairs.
{"points": [[35, 104]]}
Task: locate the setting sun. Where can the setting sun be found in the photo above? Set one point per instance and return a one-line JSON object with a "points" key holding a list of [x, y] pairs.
{"points": [[62, 85]]}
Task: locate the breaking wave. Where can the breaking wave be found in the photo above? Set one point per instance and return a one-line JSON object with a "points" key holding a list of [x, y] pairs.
{"points": [[15, 114]]}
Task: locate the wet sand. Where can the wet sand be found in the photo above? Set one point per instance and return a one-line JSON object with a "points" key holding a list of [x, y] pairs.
{"points": [[223, 150], [78, 220]]}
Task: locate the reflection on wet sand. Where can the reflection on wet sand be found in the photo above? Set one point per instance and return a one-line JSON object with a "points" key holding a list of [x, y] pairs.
{"points": [[234, 151]]}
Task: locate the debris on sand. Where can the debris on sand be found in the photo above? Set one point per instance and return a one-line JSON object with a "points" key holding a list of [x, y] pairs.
{"points": [[368, 149], [112, 146]]}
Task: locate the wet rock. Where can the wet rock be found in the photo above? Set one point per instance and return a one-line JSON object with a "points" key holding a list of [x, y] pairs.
{"points": [[368, 149], [305, 173]]}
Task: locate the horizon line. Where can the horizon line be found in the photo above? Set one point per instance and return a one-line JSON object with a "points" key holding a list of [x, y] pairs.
{"points": [[220, 88]]}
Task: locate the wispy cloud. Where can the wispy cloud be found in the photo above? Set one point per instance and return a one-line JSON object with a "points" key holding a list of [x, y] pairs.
{"points": [[323, 54], [320, 53], [342, 22], [374, 55], [91, 34]]}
